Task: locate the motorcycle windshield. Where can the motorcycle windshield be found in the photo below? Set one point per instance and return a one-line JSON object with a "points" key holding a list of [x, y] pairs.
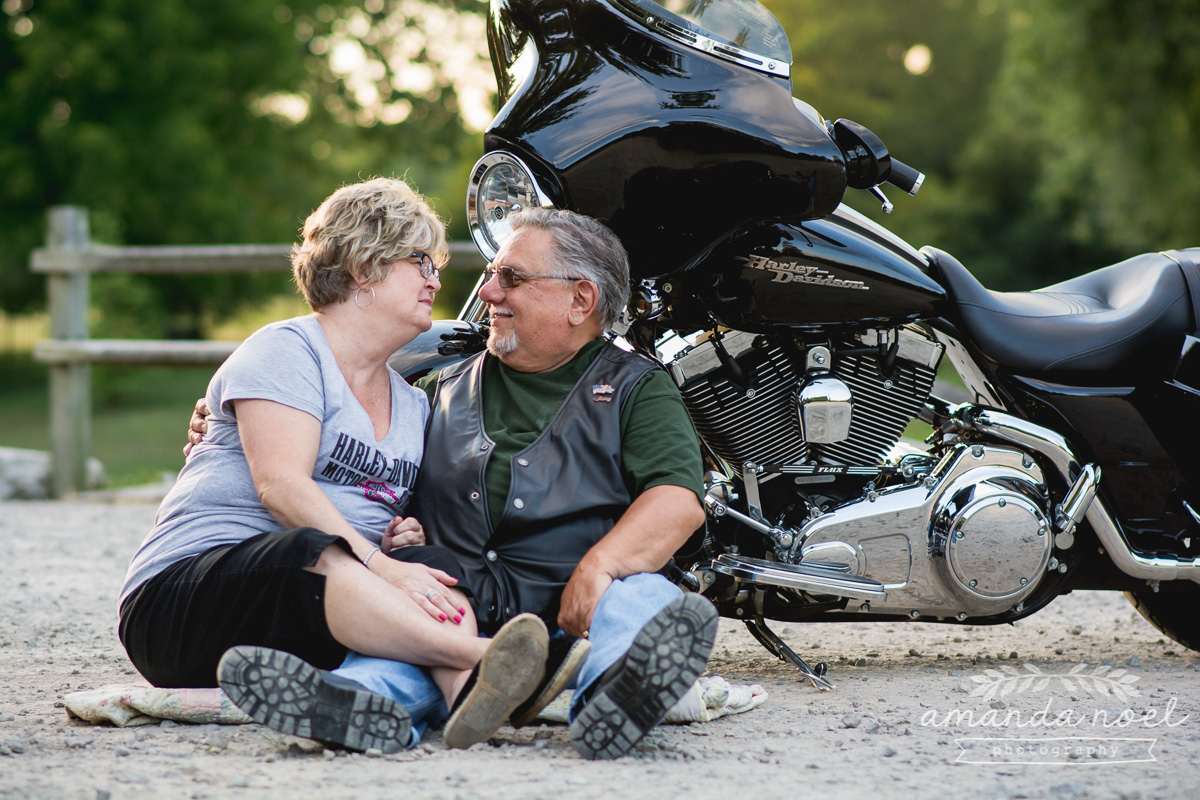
{"points": [[738, 30]]}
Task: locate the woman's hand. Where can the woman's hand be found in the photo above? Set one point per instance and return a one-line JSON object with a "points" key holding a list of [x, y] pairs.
{"points": [[402, 532], [427, 586], [197, 426]]}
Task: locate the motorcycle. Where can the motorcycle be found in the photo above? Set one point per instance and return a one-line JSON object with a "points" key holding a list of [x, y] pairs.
{"points": [[805, 339]]}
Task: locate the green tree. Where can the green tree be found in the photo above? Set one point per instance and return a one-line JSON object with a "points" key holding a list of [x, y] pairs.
{"points": [[219, 122], [1090, 151]]}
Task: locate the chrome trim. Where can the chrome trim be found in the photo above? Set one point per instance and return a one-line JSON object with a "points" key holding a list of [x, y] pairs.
{"points": [[917, 184], [706, 44], [1054, 447], [1069, 513], [972, 376], [1129, 562], [825, 409], [1028, 435], [474, 309], [750, 473], [489, 160], [805, 577], [717, 507], [900, 536]]}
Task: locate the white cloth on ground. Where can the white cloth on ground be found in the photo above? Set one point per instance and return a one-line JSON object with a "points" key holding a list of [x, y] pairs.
{"points": [[711, 697], [127, 706]]}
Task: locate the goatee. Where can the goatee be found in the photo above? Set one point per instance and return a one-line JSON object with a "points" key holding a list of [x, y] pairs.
{"points": [[501, 345]]}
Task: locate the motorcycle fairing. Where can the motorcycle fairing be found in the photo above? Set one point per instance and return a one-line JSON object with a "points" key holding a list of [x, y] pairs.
{"points": [[691, 144]]}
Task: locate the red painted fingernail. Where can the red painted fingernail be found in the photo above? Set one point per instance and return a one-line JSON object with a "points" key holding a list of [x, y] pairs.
{"points": [[458, 619], [443, 617], [462, 611]]}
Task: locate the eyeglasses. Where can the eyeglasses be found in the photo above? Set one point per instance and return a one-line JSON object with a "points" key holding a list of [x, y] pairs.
{"points": [[425, 264], [509, 278]]}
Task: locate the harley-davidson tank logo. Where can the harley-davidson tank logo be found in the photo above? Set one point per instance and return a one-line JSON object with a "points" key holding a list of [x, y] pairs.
{"points": [[791, 272]]}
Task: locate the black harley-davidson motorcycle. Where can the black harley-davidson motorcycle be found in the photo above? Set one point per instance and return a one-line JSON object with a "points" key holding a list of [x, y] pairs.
{"points": [[806, 338]]}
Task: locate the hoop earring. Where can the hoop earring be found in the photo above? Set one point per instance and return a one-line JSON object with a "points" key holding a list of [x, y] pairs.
{"points": [[358, 302]]}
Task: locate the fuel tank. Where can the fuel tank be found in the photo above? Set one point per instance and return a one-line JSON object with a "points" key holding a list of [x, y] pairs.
{"points": [[840, 272], [673, 148]]}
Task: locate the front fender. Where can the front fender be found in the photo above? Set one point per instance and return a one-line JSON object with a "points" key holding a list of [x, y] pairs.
{"points": [[447, 342]]}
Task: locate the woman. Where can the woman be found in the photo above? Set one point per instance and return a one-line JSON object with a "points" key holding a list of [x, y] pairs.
{"points": [[271, 536]]}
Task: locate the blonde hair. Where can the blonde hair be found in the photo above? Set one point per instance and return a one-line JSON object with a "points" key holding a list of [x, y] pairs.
{"points": [[358, 233]]}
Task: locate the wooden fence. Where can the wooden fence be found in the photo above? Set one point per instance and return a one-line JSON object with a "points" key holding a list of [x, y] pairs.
{"points": [[68, 259]]}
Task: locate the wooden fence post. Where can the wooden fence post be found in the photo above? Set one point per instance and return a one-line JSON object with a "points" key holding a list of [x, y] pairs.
{"points": [[67, 238]]}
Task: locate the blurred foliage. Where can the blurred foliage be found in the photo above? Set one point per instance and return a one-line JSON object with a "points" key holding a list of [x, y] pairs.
{"points": [[1090, 149], [227, 121]]}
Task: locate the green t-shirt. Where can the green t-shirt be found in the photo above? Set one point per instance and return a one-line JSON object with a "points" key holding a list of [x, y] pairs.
{"points": [[659, 445]]}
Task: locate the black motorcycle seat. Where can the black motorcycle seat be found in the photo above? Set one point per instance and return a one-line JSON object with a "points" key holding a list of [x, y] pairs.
{"points": [[1092, 322]]}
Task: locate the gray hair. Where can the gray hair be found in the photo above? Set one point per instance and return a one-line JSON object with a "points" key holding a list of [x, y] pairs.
{"points": [[583, 248]]}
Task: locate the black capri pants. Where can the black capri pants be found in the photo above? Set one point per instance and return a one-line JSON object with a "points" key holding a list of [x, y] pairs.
{"points": [[177, 625]]}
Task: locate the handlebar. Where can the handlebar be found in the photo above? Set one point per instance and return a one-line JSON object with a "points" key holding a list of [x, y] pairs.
{"points": [[868, 162], [904, 177]]}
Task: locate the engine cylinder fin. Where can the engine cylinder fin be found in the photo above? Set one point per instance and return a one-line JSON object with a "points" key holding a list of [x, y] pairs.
{"points": [[757, 420], [744, 423]]}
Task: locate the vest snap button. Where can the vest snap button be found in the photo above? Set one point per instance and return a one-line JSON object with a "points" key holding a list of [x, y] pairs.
{"points": [[484, 446], [524, 462], [474, 495], [518, 504], [491, 556]]}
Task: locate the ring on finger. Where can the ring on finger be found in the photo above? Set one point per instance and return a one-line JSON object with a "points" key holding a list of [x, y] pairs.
{"points": [[430, 594]]}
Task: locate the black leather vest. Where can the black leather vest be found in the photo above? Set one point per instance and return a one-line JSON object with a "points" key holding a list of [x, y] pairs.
{"points": [[567, 489]]}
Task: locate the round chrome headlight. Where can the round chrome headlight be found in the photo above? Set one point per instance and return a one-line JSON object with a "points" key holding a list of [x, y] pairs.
{"points": [[500, 186]]}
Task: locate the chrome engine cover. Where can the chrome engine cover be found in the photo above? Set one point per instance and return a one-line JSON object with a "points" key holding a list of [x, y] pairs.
{"points": [[753, 416], [972, 538]]}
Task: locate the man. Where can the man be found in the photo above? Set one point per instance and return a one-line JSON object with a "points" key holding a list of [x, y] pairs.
{"points": [[563, 473]]}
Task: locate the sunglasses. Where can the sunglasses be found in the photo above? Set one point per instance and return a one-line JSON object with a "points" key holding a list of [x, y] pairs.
{"points": [[425, 264], [510, 278]]}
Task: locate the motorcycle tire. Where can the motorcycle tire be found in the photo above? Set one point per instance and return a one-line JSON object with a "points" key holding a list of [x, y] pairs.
{"points": [[1172, 610]]}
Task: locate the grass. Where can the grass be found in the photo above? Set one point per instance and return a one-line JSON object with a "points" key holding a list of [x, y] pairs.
{"points": [[139, 416]]}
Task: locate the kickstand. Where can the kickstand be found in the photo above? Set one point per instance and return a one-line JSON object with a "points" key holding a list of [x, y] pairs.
{"points": [[776, 646]]}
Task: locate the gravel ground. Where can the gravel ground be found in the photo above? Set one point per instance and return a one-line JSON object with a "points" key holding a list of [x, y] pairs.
{"points": [[909, 699]]}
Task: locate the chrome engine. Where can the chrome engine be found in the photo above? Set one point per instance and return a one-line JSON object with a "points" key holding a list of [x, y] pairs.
{"points": [[743, 392], [967, 533], [972, 537]]}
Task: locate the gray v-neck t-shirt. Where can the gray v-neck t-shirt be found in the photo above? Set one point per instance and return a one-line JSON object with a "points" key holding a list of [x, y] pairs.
{"points": [[214, 501]]}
